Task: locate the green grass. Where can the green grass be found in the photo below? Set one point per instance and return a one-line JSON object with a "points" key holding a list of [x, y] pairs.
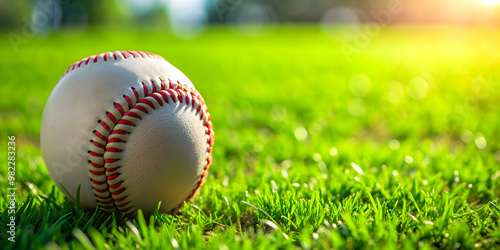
{"points": [[299, 160]]}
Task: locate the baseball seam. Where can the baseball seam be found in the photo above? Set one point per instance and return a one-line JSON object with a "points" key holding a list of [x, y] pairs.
{"points": [[110, 192], [109, 56], [108, 139]]}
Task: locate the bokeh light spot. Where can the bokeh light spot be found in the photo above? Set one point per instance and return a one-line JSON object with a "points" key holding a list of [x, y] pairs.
{"points": [[409, 159], [418, 88], [301, 133], [334, 151], [394, 144], [359, 85], [480, 142]]}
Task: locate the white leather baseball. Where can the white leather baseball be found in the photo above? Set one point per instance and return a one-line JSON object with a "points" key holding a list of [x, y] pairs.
{"points": [[128, 129]]}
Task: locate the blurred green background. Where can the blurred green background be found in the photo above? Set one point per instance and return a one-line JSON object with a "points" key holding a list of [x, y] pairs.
{"points": [[436, 57]]}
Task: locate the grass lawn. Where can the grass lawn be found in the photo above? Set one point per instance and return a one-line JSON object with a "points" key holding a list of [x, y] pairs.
{"points": [[394, 144]]}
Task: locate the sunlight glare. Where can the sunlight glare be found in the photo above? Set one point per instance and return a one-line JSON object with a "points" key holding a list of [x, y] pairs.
{"points": [[490, 2]]}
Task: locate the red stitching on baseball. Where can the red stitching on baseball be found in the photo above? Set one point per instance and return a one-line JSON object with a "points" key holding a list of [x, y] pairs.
{"points": [[132, 114], [154, 86], [179, 95], [96, 165], [102, 137], [141, 108], [145, 89], [164, 93], [105, 126], [104, 56], [118, 192], [119, 131], [119, 108], [148, 102], [112, 117], [128, 100], [95, 154], [98, 182], [112, 169], [164, 96], [121, 199], [175, 94], [158, 99], [115, 185], [113, 176], [97, 144], [124, 204], [125, 122], [101, 190], [136, 94], [96, 173], [174, 97]]}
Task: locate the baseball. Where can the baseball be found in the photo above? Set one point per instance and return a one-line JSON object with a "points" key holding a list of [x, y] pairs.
{"points": [[127, 130]]}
